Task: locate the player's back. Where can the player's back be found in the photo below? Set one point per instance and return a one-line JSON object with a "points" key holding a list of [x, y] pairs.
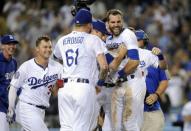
{"points": [[78, 52]]}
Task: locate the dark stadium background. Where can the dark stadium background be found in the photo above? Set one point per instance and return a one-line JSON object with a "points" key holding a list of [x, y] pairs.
{"points": [[167, 23]]}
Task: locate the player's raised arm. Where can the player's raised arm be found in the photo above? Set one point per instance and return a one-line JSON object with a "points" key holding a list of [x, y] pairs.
{"points": [[132, 52], [162, 62]]}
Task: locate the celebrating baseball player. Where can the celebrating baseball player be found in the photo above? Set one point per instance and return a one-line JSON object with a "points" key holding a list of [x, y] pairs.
{"points": [[36, 77], [7, 70], [127, 99], [80, 52], [156, 83]]}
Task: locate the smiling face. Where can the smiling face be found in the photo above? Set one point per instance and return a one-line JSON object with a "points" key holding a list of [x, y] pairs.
{"points": [[44, 49], [115, 24], [9, 49]]}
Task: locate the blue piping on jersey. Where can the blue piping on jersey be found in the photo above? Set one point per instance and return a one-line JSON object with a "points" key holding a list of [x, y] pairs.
{"points": [[109, 58], [133, 54]]}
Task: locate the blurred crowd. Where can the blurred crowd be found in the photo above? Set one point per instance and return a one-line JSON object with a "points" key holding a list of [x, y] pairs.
{"points": [[167, 23]]}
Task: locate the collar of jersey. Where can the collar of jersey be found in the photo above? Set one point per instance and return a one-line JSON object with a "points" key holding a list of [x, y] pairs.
{"points": [[39, 65]]}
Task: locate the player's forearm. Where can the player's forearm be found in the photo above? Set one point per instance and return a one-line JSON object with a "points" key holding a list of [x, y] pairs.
{"points": [[131, 66], [103, 66], [103, 73], [115, 63], [162, 87], [12, 96]]}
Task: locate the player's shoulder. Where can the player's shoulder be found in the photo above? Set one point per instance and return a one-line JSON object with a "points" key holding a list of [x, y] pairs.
{"points": [[92, 37], [145, 51], [127, 31], [54, 63], [27, 64]]}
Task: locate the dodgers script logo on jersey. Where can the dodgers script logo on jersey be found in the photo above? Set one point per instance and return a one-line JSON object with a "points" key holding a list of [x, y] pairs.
{"points": [[37, 82], [113, 43]]}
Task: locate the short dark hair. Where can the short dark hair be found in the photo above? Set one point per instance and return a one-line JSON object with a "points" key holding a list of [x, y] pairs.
{"points": [[113, 12], [41, 38]]}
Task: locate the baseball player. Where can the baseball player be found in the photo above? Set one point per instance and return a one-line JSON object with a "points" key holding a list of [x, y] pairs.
{"points": [[80, 52], [37, 78], [156, 83], [186, 113], [99, 29], [127, 97], [8, 68], [147, 58]]}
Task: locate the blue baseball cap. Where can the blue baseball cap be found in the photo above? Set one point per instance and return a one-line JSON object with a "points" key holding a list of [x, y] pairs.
{"points": [[141, 35], [83, 16], [7, 39], [100, 26]]}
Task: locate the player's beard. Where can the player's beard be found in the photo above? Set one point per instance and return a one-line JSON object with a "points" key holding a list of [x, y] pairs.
{"points": [[116, 30]]}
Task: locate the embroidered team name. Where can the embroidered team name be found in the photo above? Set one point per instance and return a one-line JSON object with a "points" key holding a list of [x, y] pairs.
{"points": [[73, 40], [9, 75], [35, 82], [112, 45]]}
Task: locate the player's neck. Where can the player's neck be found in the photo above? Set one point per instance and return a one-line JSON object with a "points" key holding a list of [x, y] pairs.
{"points": [[41, 61], [80, 29]]}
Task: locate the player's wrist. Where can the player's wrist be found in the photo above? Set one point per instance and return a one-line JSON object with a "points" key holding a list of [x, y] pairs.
{"points": [[100, 82], [157, 94]]}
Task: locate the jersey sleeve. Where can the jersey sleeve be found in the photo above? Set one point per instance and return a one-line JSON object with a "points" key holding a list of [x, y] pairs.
{"points": [[153, 60], [57, 52], [98, 46], [162, 74], [130, 40], [19, 77]]}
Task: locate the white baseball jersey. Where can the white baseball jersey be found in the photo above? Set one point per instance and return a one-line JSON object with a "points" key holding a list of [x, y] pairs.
{"points": [[147, 58], [79, 50], [128, 38], [35, 81], [187, 112]]}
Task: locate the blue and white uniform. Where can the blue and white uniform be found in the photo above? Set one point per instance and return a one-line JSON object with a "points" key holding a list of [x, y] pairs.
{"points": [[7, 70], [35, 83], [127, 101]]}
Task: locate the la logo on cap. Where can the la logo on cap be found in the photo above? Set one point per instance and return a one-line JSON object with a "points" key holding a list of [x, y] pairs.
{"points": [[11, 37]]}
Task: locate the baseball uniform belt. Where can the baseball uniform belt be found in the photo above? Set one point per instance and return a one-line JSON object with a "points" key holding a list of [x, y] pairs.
{"points": [[79, 80], [41, 107], [109, 85]]}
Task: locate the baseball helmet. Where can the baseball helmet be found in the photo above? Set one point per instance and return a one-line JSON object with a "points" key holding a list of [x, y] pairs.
{"points": [[141, 35]]}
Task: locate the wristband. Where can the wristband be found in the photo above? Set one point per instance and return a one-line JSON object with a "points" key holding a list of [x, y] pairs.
{"points": [[100, 82], [157, 94], [161, 57], [122, 73]]}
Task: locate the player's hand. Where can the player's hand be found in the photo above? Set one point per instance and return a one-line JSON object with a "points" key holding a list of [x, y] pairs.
{"points": [[10, 115], [152, 98], [156, 51], [98, 89]]}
